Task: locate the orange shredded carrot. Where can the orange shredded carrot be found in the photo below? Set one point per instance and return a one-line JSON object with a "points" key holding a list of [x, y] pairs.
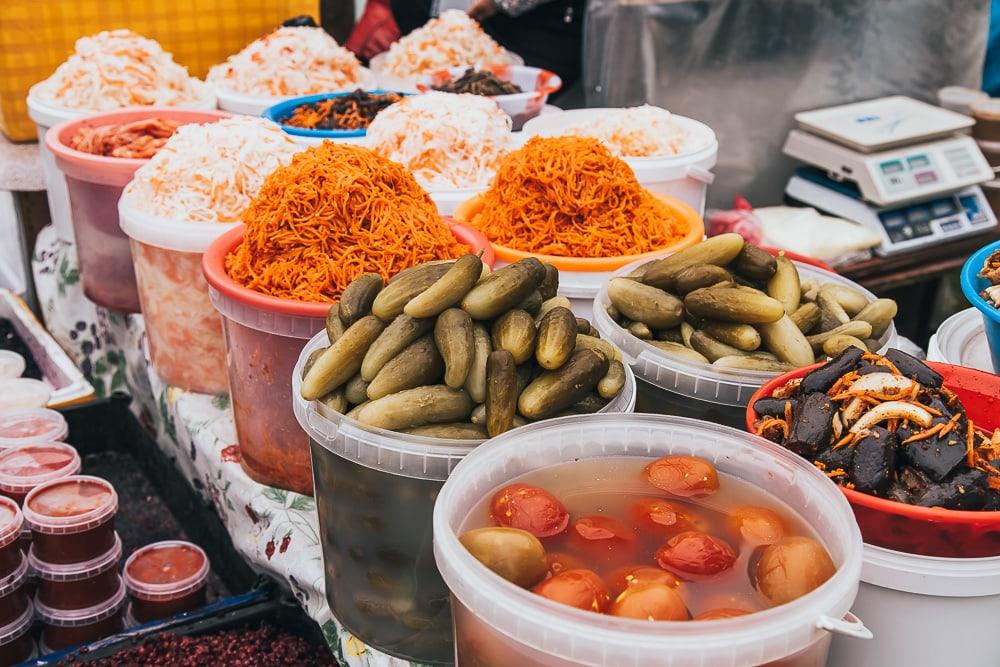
{"points": [[568, 196], [335, 212], [970, 449]]}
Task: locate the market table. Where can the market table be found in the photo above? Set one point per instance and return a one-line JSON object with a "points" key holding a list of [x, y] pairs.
{"points": [[277, 531]]}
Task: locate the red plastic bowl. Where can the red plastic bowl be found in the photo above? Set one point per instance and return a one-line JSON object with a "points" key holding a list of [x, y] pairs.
{"points": [[927, 531]]}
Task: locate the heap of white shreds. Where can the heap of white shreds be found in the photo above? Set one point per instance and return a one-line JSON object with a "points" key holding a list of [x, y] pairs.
{"points": [[118, 68], [211, 172], [645, 131], [292, 61], [452, 39], [446, 140]]}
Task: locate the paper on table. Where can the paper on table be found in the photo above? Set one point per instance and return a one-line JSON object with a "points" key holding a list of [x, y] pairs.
{"points": [[805, 231]]}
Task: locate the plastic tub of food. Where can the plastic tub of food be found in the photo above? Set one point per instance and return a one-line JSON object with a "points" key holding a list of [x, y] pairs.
{"points": [[581, 278], [375, 495], [924, 611], [165, 578], [73, 586], [536, 85], [24, 426], [11, 522], [669, 385], [281, 111], [928, 531], [972, 285], [961, 341], [183, 329], [95, 184], [502, 624], [12, 364], [28, 466], [24, 393], [264, 336], [411, 84], [71, 519], [13, 595], [685, 176], [16, 643], [62, 629]]}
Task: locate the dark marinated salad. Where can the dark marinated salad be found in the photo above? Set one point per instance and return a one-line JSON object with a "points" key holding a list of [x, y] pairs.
{"points": [[354, 111], [991, 271], [479, 82], [886, 426]]}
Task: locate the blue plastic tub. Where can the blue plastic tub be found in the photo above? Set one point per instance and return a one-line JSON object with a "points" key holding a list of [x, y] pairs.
{"points": [[972, 285], [284, 109]]}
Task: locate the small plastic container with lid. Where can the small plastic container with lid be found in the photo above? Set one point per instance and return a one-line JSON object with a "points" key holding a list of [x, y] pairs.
{"points": [[24, 393], [16, 644], [12, 364], [13, 593], [23, 426], [28, 466], [78, 585], [11, 522], [62, 629], [71, 519], [166, 578]]}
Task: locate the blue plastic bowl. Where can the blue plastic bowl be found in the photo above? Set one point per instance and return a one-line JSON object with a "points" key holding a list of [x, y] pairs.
{"points": [[284, 109], [972, 285]]}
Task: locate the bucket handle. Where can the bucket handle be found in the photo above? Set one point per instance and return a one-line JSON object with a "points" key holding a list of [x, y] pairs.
{"points": [[849, 626], [699, 174]]}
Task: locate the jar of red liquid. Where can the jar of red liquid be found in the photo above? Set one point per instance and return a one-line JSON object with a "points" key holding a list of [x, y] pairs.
{"points": [[78, 585], [166, 578], [28, 466], [71, 519], [11, 522], [62, 628], [16, 644], [13, 594], [22, 426]]}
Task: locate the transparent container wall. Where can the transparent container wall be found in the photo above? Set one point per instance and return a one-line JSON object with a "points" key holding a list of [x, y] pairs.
{"points": [[183, 328], [745, 68], [653, 400]]}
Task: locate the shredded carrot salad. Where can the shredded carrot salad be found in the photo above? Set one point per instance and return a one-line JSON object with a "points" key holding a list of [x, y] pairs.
{"points": [[335, 212], [569, 197]]}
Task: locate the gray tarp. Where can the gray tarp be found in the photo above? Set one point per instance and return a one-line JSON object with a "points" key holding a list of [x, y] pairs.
{"points": [[745, 66]]}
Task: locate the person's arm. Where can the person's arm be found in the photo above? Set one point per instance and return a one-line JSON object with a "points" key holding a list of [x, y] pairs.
{"points": [[483, 9]]}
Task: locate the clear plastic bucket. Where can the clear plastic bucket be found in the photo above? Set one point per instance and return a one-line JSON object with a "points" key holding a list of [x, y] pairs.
{"points": [[668, 385], [375, 492], [183, 328], [498, 623], [95, 184], [264, 336], [972, 284], [924, 611]]}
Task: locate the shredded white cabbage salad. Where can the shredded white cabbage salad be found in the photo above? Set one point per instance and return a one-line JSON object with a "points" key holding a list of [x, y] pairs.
{"points": [[453, 39], [644, 131], [446, 140], [118, 68], [211, 172], [292, 61]]}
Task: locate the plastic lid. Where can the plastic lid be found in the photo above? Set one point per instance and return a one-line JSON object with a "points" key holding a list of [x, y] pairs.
{"points": [[961, 340], [179, 235], [16, 579], [166, 570], [77, 571], [23, 425], [70, 505], [28, 466], [24, 393], [700, 381], [66, 618], [16, 628], [12, 364], [11, 521], [988, 109], [931, 575], [413, 456]]}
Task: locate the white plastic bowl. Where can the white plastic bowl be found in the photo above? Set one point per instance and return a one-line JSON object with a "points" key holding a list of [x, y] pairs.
{"points": [[387, 81], [520, 628]]}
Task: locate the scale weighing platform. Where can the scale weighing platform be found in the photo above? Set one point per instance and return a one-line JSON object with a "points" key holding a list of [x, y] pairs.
{"points": [[895, 165]]}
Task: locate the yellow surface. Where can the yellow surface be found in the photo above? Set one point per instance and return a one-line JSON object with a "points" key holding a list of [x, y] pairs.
{"points": [[36, 36]]}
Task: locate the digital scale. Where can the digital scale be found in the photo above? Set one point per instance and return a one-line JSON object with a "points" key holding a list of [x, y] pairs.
{"points": [[897, 166]]}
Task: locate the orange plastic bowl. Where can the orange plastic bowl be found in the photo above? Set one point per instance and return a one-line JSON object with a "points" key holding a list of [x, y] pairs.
{"points": [[927, 531], [467, 210]]}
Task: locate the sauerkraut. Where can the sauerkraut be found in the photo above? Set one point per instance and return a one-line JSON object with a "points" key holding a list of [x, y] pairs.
{"points": [[644, 131]]}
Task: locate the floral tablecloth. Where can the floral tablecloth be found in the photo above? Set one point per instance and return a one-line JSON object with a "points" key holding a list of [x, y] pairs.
{"points": [[276, 531]]}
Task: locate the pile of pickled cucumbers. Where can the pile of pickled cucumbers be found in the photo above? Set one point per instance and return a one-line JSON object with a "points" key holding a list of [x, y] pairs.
{"points": [[454, 350], [733, 305]]}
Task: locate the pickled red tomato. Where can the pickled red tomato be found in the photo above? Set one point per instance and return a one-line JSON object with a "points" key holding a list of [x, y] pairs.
{"points": [[791, 568], [697, 555], [683, 475], [529, 508], [636, 575], [724, 612], [603, 538], [651, 602], [582, 589], [662, 517], [560, 562], [757, 525]]}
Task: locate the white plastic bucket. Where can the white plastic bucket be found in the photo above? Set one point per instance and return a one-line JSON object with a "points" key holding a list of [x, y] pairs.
{"points": [[686, 176], [448, 200], [961, 340], [520, 628], [246, 105], [925, 611]]}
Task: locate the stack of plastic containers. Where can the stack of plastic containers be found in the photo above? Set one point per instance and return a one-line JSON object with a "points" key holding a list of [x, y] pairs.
{"points": [[23, 426], [164, 579], [15, 604], [75, 550]]}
